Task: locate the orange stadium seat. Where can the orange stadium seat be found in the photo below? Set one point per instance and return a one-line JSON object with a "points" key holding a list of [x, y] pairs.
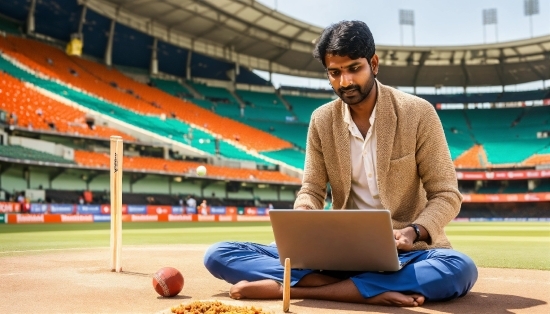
{"points": [[7, 47], [93, 159], [472, 158], [538, 159], [39, 112], [115, 87]]}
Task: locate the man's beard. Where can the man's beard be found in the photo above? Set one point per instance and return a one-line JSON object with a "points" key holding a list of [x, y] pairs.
{"points": [[361, 92]]}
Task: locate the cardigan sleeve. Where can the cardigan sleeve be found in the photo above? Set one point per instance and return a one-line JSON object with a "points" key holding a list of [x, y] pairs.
{"points": [[437, 173], [313, 191]]}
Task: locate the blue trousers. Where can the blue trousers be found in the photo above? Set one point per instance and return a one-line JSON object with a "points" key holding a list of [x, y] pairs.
{"points": [[438, 274]]}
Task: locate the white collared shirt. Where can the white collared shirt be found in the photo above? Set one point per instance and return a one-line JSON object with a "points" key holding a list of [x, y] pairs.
{"points": [[364, 188]]}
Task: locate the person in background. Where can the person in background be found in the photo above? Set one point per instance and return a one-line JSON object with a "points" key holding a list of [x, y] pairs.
{"points": [[191, 203], [204, 208]]}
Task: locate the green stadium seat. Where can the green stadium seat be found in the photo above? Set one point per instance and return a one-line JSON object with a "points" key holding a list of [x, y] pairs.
{"points": [[291, 157], [9, 27], [210, 92], [304, 106], [19, 152], [171, 87]]}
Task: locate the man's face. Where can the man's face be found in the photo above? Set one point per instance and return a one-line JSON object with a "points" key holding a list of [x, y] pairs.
{"points": [[352, 80]]}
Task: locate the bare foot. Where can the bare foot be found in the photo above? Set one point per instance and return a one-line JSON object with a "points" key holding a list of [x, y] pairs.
{"points": [[345, 292], [392, 298], [261, 289]]}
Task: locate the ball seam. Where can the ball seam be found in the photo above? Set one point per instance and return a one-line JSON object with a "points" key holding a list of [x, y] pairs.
{"points": [[163, 285]]}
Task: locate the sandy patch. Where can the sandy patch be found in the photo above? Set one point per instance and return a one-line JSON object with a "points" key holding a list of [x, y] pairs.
{"points": [[79, 281]]}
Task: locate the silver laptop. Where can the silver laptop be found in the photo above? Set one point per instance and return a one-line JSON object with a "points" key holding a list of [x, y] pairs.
{"points": [[346, 240]]}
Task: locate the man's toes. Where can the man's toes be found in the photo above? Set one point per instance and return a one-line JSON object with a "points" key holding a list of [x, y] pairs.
{"points": [[418, 299], [235, 292]]}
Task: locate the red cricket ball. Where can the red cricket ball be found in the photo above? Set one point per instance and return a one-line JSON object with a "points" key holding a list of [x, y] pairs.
{"points": [[168, 281]]}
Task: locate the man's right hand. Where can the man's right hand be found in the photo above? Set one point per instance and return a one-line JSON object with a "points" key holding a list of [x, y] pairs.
{"points": [[404, 239]]}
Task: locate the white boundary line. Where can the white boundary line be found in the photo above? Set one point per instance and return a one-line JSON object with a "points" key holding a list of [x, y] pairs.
{"points": [[161, 247], [52, 250]]}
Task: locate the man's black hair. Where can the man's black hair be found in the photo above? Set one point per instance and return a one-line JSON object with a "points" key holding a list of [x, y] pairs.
{"points": [[352, 39]]}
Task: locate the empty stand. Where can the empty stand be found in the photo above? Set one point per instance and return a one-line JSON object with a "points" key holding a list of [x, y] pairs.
{"points": [[172, 88], [503, 138], [507, 136], [18, 152], [304, 106], [291, 157], [537, 159], [263, 106], [171, 128], [117, 88], [36, 111], [215, 94], [294, 132], [476, 98], [457, 133], [541, 157], [472, 158]]}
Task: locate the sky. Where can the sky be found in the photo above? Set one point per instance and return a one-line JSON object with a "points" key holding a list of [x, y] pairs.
{"points": [[437, 22]]}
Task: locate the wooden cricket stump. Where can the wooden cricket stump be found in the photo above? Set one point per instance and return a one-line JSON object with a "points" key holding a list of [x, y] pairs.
{"points": [[286, 286], [116, 202]]}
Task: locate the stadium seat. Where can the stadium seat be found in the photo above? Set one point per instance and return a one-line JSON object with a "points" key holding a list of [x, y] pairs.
{"points": [[36, 111], [18, 152], [291, 157], [474, 158], [304, 106], [116, 88]]}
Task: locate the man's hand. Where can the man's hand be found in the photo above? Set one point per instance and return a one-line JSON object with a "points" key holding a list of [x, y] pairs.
{"points": [[404, 238]]}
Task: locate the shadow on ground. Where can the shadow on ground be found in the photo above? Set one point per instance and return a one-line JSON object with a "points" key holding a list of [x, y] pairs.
{"points": [[474, 302], [171, 299], [488, 302]]}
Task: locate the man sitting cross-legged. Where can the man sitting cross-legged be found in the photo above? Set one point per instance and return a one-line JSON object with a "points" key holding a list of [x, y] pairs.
{"points": [[379, 148]]}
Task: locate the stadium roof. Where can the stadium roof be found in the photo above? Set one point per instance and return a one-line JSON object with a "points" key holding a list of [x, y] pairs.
{"points": [[251, 34]]}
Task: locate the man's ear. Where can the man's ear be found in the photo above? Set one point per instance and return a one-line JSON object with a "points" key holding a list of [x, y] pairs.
{"points": [[374, 64]]}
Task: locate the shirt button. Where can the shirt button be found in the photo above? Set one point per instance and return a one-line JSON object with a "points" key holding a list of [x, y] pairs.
{"points": [[370, 175]]}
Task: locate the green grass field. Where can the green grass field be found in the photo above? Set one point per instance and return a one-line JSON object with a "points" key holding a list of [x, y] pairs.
{"points": [[493, 244]]}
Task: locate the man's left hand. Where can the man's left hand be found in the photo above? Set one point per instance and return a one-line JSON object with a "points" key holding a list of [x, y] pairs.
{"points": [[404, 238]]}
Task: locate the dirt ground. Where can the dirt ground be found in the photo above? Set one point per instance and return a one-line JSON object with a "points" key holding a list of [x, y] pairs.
{"points": [[79, 281]]}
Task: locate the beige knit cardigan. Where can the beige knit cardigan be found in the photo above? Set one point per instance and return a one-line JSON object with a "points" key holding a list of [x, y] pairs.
{"points": [[415, 174]]}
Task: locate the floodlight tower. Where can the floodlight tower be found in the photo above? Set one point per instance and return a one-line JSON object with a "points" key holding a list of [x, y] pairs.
{"points": [[406, 17], [489, 18], [530, 8]]}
